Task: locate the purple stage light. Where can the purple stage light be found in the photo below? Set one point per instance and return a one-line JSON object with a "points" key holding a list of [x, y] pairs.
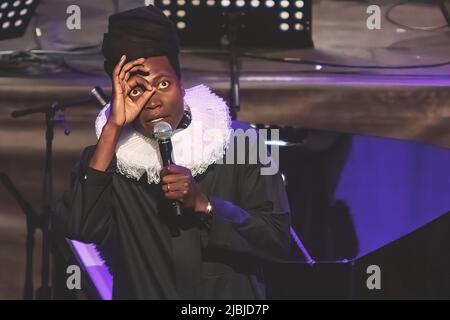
{"points": [[95, 268]]}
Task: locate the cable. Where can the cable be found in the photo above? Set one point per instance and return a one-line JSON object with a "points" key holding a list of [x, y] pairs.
{"points": [[387, 16], [337, 65], [53, 56], [295, 60], [293, 73], [70, 67], [79, 51]]}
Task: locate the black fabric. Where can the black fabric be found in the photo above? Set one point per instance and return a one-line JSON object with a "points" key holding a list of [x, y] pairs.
{"points": [[186, 119], [157, 256], [140, 32]]}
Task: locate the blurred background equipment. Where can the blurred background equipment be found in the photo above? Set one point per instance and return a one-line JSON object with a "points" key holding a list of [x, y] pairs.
{"points": [[263, 24], [234, 25], [15, 15], [445, 7]]}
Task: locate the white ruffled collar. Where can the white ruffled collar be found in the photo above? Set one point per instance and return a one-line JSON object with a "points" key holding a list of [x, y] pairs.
{"points": [[198, 146]]}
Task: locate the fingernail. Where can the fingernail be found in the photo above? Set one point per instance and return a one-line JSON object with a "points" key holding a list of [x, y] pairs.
{"points": [[123, 57]]}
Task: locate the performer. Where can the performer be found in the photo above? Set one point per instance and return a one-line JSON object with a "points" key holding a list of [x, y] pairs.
{"points": [[232, 215]]}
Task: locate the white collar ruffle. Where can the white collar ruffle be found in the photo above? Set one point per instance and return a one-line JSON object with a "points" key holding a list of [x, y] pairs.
{"points": [[198, 146]]}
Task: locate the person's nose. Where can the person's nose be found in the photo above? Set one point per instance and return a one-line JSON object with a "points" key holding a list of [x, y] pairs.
{"points": [[154, 102]]}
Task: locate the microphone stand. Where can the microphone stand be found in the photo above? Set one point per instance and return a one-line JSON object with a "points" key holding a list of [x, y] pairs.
{"points": [[53, 114], [33, 222], [231, 41]]}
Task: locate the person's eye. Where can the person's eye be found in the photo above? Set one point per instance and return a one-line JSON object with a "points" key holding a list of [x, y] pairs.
{"points": [[163, 84], [136, 92]]}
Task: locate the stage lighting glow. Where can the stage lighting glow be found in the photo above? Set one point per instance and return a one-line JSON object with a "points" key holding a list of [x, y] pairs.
{"points": [[284, 15], [270, 4], [167, 13], [255, 3], [299, 4], [181, 25], [181, 13], [279, 143], [298, 27], [284, 4], [210, 3], [240, 3], [225, 3], [299, 15], [284, 27]]}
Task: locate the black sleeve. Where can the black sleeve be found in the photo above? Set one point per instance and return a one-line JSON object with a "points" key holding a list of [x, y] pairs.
{"points": [[85, 212], [258, 223]]}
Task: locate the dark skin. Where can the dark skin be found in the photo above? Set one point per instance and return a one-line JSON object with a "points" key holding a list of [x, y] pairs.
{"points": [[145, 91]]}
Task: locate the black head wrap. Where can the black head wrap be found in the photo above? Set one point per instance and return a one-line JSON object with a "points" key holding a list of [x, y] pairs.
{"points": [[141, 32]]}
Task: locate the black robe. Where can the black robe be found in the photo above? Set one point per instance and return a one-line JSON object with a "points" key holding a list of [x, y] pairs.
{"points": [[154, 255]]}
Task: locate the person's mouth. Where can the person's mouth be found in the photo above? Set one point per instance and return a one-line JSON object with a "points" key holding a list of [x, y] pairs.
{"points": [[155, 120]]}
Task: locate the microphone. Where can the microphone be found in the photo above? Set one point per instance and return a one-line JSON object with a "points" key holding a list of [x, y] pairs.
{"points": [[162, 132], [99, 96]]}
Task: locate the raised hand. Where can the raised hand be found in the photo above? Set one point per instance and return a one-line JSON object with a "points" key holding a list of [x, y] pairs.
{"points": [[125, 107]]}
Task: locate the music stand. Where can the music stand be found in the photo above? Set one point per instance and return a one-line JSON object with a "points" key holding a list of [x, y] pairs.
{"points": [[240, 24]]}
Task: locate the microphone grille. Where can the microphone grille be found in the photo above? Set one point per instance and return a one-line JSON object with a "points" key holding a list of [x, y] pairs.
{"points": [[162, 130], [99, 96]]}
